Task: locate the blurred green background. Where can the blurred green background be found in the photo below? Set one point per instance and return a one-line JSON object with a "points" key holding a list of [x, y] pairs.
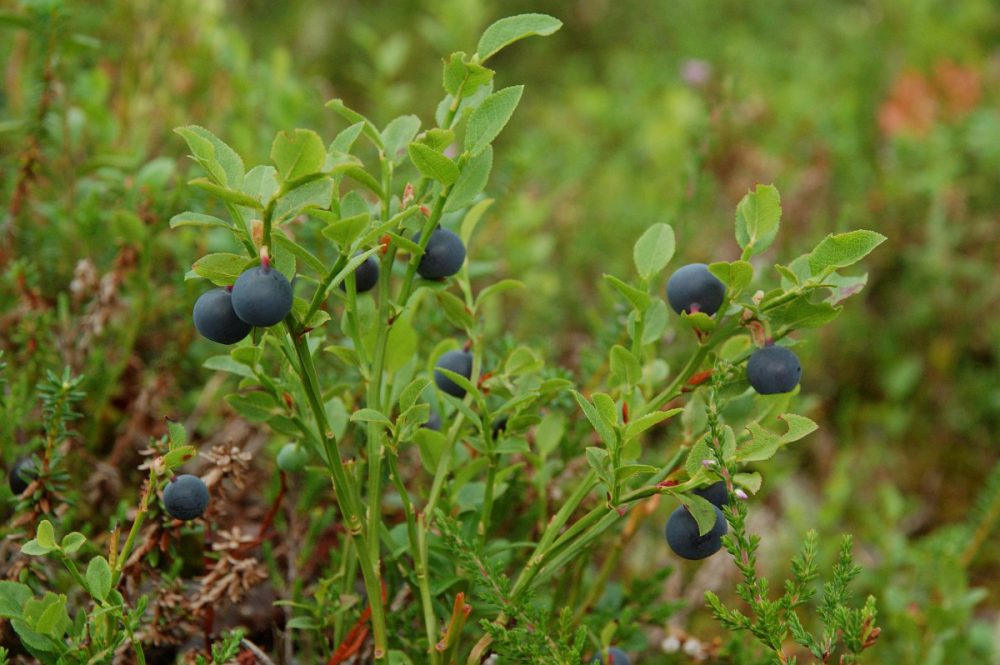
{"points": [[865, 114]]}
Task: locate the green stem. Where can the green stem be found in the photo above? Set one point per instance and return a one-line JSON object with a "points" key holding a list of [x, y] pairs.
{"points": [[347, 498], [320, 295]]}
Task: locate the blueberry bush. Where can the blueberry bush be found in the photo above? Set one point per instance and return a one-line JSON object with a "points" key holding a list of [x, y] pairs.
{"points": [[366, 392]]}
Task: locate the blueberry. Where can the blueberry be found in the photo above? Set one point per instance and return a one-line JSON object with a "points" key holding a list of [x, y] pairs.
{"points": [[715, 493], [185, 497], [215, 319], [693, 288], [773, 370], [22, 474], [499, 425], [683, 538], [443, 256], [292, 458], [615, 657], [459, 362], [262, 296], [433, 421], [365, 275]]}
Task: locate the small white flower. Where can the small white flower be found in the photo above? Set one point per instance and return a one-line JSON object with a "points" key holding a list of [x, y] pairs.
{"points": [[708, 463], [740, 494], [692, 647], [670, 645]]}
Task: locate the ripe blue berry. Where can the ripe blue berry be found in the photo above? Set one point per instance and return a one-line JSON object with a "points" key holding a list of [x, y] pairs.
{"points": [[615, 657], [715, 493], [433, 421], [215, 319], [262, 296], [774, 369], [21, 475], [292, 458], [459, 362], [443, 256], [365, 275], [693, 288], [185, 497], [683, 538]]}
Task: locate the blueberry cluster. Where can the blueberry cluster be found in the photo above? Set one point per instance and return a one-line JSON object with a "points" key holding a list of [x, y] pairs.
{"points": [[262, 296]]}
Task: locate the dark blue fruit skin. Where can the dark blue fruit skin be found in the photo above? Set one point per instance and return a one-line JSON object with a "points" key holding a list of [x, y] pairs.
{"points": [[459, 362], [693, 285], [774, 369], [433, 421], [715, 494], [262, 296], [683, 538], [21, 475], [215, 319], [365, 275], [185, 497], [443, 256], [615, 657]]}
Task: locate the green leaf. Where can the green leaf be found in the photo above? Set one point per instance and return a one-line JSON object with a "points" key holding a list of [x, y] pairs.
{"points": [[343, 141], [197, 219], [45, 535], [549, 433], [607, 409], [700, 452], [179, 456], [497, 288], [370, 416], [653, 250], [625, 366], [757, 218], [53, 620], [463, 382], [471, 181], [763, 446], [288, 246], [472, 219], [736, 275], [344, 231], [398, 134], [703, 512], [437, 138], [224, 363], [798, 427], [598, 459], [72, 542], [597, 422], [462, 76], [490, 117], [401, 345], [750, 481], [455, 310], [254, 406], [13, 596], [640, 425], [218, 159], [261, 182], [433, 164], [230, 195], [626, 471], [297, 153], [176, 434], [362, 177], [99, 578], [353, 116], [221, 268], [508, 30], [32, 548], [800, 313], [843, 249], [639, 299], [412, 392]]}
